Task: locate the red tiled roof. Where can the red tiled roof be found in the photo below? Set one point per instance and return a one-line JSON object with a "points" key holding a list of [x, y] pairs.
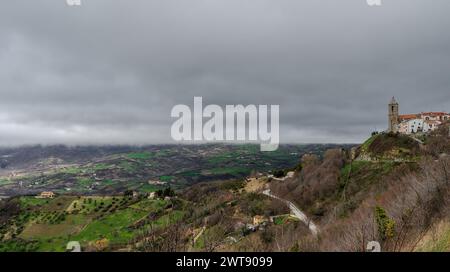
{"points": [[435, 113], [404, 117], [408, 116]]}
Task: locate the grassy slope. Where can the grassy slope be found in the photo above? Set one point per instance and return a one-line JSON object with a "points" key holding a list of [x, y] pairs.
{"points": [[437, 239], [361, 178], [390, 147]]}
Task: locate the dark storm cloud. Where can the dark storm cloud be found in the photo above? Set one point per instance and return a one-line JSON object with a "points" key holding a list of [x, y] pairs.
{"points": [[110, 71]]}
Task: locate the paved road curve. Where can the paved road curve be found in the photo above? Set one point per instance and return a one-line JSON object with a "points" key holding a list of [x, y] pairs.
{"points": [[296, 211]]}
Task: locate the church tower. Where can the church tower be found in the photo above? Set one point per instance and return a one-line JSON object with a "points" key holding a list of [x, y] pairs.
{"points": [[393, 116]]}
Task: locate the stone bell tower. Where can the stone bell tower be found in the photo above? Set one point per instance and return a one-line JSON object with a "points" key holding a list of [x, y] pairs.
{"points": [[393, 116]]}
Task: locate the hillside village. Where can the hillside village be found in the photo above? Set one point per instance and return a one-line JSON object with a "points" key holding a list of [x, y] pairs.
{"points": [[416, 123]]}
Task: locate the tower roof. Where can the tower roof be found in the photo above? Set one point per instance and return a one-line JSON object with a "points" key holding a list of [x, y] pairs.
{"points": [[393, 101]]}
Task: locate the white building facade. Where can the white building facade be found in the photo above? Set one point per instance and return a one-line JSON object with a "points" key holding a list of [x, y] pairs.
{"points": [[422, 122]]}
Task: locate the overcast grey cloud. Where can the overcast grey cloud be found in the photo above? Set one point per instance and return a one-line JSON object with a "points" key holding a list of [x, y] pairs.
{"points": [[110, 71]]}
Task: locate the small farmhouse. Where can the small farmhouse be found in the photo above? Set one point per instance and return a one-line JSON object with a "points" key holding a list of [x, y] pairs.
{"points": [[48, 194]]}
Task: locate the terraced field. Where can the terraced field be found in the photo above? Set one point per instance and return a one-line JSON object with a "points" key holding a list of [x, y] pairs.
{"points": [[49, 224]]}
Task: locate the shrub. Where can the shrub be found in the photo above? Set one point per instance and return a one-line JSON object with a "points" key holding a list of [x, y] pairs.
{"points": [[386, 225]]}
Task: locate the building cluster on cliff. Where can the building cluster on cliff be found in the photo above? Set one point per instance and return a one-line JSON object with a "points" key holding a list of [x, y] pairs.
{"points": [[423, 122]]}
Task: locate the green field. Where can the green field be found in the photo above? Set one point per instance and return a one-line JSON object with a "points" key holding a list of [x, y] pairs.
{"points": [[140, 155], [230, 171], [113, 227], [147, 188], [31, 201], [166, 178], [5, 181]]}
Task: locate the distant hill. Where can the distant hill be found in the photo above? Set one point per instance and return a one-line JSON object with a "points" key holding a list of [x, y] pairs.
{"points": [[109, 170]]}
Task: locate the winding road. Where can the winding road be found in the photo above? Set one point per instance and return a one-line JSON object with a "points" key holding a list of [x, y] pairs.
{"points": [[296, 211], [199, 234]]}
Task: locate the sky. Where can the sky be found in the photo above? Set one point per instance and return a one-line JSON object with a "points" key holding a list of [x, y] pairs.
{"points": [[110, 71]]}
